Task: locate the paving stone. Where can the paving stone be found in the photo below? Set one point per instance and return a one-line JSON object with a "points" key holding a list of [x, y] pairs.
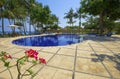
{"points": [[50, 49], [103, 49], [67, 51], [44, 55], [85, 48], [5, 75], [62, 62], [113, 67], [53, 73], [87, 76], [91, 66], [87, 54]]}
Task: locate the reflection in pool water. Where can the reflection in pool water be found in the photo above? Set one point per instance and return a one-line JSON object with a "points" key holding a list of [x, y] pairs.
{"points": [[49, 40]]}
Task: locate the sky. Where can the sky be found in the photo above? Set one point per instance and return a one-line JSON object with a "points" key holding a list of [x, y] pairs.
{"points": [[60, 7]]}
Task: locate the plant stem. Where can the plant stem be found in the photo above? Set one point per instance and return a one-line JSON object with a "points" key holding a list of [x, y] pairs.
{"points": [[18, 67], [26, 70]]}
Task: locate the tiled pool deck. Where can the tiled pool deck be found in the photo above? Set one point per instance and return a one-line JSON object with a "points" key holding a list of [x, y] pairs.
{"points": [[94, 58]]}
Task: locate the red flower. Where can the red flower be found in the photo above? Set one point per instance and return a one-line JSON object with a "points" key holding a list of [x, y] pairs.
{"points": [[10, 56], [42, 60], [7, 56], [36, 58], [31, 53]]}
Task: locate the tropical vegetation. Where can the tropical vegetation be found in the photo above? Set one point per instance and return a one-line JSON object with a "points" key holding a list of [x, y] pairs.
{"points": [[19, 12], [100, 15]]}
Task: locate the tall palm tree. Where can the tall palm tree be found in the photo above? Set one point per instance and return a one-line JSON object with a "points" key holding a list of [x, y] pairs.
{"points": [[30, 5], [70, 15], [14, 12]]}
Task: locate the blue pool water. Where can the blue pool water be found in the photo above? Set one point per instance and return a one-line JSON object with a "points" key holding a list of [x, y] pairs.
{"points": [[49, 40]]}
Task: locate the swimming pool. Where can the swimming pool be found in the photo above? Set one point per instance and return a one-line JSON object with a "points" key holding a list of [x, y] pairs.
{"points": [[49, 40]]}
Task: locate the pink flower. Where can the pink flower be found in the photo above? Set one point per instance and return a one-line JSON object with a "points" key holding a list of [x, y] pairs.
{"points": [[31, 53], [42, 60]]}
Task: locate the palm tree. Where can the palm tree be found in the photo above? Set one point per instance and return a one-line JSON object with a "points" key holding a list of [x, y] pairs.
{"points": [[41, 15], [70, 15], [15, 12], [78, 15], [52, 21], [31, 4]]}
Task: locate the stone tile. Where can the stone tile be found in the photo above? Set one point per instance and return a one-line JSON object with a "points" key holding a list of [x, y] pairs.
{"points": [[97, 49], [12, 61], [36, 48], [67, 51], [52, 73], [50, 49], [116, 50], [112, 47], [73, 46], [18, 54], [62, 62], [89, 66], [46, 56], [84, 43], [85, 48], [95, 45], [14, 71], [87, 76], [13, 50], [4, 48], [87, 54], [26, 77], [113, 68], [2, 68], [111, 44], [104, 53], [46, 73], [62, 74], [5, 75]]}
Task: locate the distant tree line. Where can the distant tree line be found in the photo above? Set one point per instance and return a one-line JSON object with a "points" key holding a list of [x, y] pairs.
{"points": [[102, 15]]}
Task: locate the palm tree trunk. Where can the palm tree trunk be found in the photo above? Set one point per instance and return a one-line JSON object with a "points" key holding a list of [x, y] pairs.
{"points": [[101, 22], [41, 27], [24, 27], [9, 21], [80, 25], [30, 28]]}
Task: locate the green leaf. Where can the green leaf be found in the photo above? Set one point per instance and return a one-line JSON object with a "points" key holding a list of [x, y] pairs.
{"points": [[25, 58], [34, 61], [2, 59], [2, 53], [22, 62], [30, 71], [6, 64]]}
